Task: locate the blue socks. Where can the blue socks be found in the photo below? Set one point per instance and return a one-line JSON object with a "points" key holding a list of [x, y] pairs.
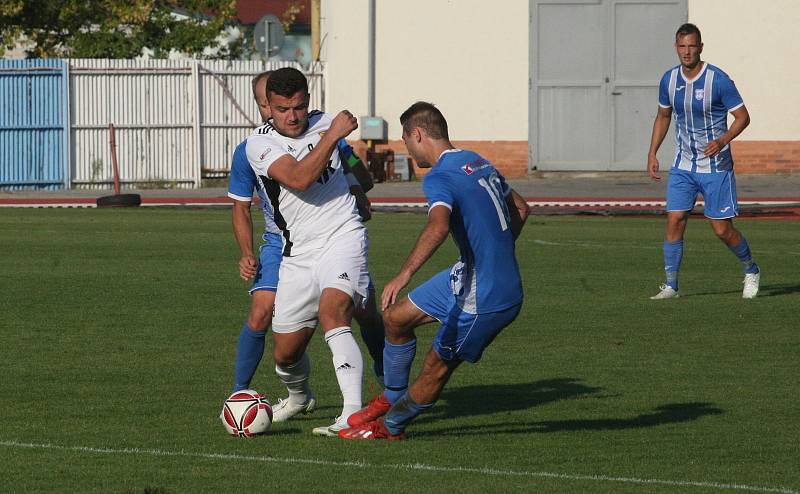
{"points": [[673, 253], [742, 251], [397, 360], [402, 413], [249, 350]]}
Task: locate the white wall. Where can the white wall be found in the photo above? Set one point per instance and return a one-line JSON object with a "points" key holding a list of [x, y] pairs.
{"points": [[469, 57], [757, 44]]}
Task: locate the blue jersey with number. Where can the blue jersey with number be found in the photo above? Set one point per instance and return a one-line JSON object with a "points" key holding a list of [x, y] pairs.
{"points": [[486, 279], [241, 183], [700, 109]]}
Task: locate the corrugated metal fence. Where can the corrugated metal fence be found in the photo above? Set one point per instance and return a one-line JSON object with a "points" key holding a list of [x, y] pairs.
{"points": [[33, 124], [176, 121]]}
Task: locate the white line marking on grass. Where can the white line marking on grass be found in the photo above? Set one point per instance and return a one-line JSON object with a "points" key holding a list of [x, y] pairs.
{"points": [[409, 466]]}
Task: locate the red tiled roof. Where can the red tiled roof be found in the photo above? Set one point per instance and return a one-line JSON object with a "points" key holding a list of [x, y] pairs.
{"points": [[250, 11]]}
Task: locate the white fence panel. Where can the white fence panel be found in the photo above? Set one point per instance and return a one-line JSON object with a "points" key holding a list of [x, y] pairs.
{"points": [[176, 120]]}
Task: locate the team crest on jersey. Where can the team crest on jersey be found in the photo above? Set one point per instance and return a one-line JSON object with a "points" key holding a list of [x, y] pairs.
{"points": [[699, 94], [322, 133], [265, 153], [467, 169]]}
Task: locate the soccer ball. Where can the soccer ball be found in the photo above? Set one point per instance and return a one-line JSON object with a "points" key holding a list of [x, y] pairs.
{"points": [[246, 413]]}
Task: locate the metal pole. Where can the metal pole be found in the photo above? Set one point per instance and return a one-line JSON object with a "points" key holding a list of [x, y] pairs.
{"points": [[113, 142], [371, 63], [315, 15]]}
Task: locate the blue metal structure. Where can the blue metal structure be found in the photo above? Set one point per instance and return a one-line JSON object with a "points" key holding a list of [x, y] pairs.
{"points": [[34, 124]]}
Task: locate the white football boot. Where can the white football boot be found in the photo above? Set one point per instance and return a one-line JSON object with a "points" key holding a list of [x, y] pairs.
{"points": [[666, 292], [285, 409], [331, 430], [751, 282]]}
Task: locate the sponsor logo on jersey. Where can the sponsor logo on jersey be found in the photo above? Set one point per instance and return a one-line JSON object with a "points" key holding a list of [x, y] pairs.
{"points": [[679, 88], [265, 153], [725, 209], [344, 276], [471, 168], [698, 94], [290, 148]]}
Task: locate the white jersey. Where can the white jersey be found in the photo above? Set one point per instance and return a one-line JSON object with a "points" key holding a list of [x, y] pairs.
{"points": [[310, 218]]}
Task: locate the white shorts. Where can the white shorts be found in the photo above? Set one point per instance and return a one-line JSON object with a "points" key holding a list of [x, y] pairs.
{"points": [[342, 264]]}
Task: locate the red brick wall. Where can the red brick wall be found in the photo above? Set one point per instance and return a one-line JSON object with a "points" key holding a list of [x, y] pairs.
{"points": [[511, 157], [766, 156]]}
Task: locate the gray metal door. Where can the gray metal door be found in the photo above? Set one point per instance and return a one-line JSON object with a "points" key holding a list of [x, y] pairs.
{"points": [[595, 67]]}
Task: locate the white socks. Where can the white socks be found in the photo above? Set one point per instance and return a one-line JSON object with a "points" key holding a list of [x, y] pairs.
{"points": [[295, 377], [349, 366]]}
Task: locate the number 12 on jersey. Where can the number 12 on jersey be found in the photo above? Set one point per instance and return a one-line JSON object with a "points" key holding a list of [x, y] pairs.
{"points": [[494, 188]]}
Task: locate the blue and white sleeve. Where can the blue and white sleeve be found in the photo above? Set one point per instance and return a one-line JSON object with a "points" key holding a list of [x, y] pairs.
{"points": [[242, 179], [730, 95], [437, 192]]}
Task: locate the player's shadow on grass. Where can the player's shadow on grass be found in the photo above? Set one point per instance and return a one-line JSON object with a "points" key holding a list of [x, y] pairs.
{"points": [[778, 289], [774, 290], [460, 402], [665, 414]]}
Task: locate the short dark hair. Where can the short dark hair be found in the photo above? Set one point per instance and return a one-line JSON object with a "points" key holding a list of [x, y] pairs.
{"points": [[688, 28], [425, 116], [258, 78], [286, 82]]}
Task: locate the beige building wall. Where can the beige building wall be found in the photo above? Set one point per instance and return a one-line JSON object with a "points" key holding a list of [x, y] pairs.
{"points": [[758, 45], [468, 57]]}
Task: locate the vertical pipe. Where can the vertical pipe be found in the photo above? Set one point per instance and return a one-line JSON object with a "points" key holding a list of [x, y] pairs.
{"points": [[315, 15], [113, 141], [371, 63], [198, 112]]}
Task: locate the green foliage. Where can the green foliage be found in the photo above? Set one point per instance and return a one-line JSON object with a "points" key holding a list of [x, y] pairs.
{"points": [[119, 331], [113, 29]]}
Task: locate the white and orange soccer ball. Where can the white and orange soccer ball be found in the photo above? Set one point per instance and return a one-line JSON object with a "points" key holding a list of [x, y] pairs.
{"points": [[246, 413]]}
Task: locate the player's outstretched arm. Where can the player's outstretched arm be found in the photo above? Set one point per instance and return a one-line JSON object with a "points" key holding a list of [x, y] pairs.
{"points": [[660, 128], [518, 209], [431, 237], [243, 231], [300, 175]]}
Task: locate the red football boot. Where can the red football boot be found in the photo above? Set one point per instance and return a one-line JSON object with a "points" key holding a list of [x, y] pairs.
{"points": [[377, 407], [371, 430]]}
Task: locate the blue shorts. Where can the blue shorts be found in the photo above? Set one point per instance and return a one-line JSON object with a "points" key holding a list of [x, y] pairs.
{"points": [[462, 336], [718, 189], [269, 263]]}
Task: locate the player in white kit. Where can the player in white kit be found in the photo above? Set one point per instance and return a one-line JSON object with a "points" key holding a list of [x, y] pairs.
{"points": [[323, 274]]}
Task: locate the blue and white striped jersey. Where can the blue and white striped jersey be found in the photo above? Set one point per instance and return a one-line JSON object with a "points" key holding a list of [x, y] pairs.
{"points": [[241, 182], [700, 109]]}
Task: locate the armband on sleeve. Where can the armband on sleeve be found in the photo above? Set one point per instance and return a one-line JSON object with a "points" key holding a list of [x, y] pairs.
{"points": [[353, 160]]}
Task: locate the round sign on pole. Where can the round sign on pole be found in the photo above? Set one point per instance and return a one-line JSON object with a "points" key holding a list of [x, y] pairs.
{"points": [[268, 35]]}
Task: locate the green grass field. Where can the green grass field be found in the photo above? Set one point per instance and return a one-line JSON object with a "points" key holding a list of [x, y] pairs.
{"points": [[118, 334]]}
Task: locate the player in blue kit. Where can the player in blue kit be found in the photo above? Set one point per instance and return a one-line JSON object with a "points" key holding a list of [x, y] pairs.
{"points": [[473, 300], [699, 96], [263, 270]]}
